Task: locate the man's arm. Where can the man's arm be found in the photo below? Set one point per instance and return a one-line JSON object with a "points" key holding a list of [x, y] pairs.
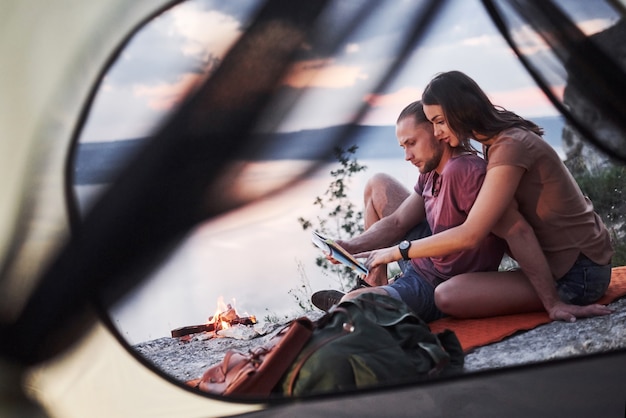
{"points": [[391, 229]]}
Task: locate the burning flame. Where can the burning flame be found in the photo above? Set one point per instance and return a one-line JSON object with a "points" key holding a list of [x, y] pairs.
{"points": [[225, 315]]}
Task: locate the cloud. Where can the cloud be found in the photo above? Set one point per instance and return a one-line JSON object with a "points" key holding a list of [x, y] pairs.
{"points": [[385, 108], [204, 32], [159, 65], [165, 96], [592, 26], [527, 101], [352, 48], [323, 73], [530, 42], [184, 40], [118, 114], [479, 41], [166, 58], [403, 97]]}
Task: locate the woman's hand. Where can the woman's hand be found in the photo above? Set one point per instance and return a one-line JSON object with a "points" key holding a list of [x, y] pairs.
{"points": [[565, 312], [380, 257]]}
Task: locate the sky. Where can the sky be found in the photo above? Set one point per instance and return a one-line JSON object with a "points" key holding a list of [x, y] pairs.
{"points": [[174, 52], [259, 254]]}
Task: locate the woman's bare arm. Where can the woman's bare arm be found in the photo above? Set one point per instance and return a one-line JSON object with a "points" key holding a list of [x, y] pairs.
{"points": [[492, 203], [495, 196]]}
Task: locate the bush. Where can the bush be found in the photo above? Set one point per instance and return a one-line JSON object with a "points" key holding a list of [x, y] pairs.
{"points": [[605, 187], [342, 219]]}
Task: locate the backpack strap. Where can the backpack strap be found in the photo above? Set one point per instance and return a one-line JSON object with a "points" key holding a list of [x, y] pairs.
{"points": [[438, 355], [279, 357], [346, 328]]}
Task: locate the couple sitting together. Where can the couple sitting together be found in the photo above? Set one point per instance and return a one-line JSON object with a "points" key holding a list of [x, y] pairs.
{"points": [[465, 212]]}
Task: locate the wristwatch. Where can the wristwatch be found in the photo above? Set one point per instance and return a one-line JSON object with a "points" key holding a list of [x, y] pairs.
{"points": [[404, 249]]}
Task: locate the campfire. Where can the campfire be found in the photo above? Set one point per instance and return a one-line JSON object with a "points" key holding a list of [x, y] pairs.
{"points": [[225, 317]]}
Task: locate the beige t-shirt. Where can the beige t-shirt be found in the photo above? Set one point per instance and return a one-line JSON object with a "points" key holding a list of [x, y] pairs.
{"points": [[551, 201]]}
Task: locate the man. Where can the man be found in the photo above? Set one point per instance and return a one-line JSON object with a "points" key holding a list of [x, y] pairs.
{"points": [[450, 179]]}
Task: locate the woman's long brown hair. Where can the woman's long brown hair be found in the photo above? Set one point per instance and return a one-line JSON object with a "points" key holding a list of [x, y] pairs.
{"points": [[468, 110]]}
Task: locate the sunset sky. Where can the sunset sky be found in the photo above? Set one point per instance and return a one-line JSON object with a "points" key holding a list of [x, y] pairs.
{"points": [[169, 55], [259, 254]]}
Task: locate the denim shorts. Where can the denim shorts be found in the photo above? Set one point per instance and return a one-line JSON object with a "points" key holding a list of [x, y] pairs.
{"points": [[585, 283], [410, 287], [416, 292]]}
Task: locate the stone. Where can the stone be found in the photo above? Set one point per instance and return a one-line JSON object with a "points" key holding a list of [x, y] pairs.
{"points": [[185, 361]]}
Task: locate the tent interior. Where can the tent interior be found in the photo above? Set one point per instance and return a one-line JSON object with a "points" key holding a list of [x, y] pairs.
{"points": [[95, 258]]}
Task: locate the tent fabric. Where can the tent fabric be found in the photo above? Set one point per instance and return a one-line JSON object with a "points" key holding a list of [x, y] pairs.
{"points": [[166, 190], [585, 64], [474, 333], [53, 55], [99, 378]]}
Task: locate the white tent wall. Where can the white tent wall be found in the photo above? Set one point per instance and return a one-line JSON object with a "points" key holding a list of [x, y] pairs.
{"points": [[52, 53], [100, 379]]}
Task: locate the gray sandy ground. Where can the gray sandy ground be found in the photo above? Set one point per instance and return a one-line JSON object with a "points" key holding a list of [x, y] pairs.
{"points": [[188, 360]]}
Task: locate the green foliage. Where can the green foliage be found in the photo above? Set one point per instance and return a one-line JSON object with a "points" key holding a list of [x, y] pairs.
{"points": [[606, 188], [341, 219]]}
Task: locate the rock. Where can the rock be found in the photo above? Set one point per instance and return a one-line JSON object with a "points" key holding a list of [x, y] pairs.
{"points": [[185, 361], [239, 332], [555, 340]]}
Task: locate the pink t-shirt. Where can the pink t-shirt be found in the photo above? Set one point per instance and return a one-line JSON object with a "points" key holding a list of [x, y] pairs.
{"points": [[551, 201], [448, 199]]}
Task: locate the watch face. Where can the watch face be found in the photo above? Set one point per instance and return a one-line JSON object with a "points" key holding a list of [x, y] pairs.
{"points": [[404, 249]]}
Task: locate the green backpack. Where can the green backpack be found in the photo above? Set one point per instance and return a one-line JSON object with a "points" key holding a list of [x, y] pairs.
{"points": [[371, 340]]}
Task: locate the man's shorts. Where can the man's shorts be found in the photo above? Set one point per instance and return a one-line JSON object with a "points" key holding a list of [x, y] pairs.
{"points": [[413, 289], [416, 292]]}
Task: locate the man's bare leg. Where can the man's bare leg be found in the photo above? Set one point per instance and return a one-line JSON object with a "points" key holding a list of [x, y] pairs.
{"points": [[383, 195], [355, 293]]}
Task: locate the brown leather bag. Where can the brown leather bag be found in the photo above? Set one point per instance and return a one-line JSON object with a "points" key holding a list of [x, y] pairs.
{"points": [[257, 372]]}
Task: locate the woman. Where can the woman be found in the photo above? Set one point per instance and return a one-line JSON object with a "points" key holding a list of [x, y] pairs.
{"points": [[528, 195]]}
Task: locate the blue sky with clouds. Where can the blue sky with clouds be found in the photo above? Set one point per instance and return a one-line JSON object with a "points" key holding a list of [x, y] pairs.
{"points": [[171, 54]]}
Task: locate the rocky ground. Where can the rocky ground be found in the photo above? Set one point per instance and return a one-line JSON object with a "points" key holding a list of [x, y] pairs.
{"points": [[188, 360]]}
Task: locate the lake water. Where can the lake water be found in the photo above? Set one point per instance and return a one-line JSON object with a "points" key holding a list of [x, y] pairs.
{"points": [[252, 258]]}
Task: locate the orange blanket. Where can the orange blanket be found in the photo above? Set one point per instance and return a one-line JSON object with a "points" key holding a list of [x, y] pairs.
{"points": [[474, 333]]}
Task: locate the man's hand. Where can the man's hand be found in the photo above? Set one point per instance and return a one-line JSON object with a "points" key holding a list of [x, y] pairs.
{"points": [[342, 244], [562, 311], [331, 259]]}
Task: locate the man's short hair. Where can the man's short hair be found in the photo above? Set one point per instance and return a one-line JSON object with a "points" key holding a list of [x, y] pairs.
{"points": [[414, 110]]}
